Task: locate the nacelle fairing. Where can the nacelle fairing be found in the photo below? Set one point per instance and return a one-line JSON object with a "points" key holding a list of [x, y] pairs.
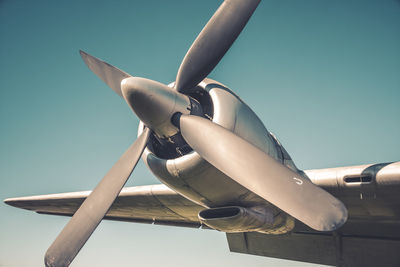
{"points": [[234, 219], [183, 170]]}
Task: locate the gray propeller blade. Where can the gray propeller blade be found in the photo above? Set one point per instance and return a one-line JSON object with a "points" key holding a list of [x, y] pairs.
{"points": [[263, 175], [111, 75], [88, 216], [213, 41]]}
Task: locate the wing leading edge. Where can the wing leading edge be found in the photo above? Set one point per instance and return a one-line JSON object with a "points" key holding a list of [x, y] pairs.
{"points": [[144, 204], [371, 236]]}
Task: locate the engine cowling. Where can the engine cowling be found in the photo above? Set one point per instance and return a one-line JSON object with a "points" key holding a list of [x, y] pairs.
{"points": [[174, 163]]}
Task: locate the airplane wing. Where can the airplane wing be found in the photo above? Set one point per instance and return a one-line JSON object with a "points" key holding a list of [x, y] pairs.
{"points": [[144, 204], [370, 237], [330, 249]]}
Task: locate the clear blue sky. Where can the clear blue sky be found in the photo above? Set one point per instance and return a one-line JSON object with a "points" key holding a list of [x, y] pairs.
{"points": [[323, 75]]}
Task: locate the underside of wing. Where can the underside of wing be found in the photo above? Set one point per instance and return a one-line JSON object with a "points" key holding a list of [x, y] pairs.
{"points": [[144, 204], [330, 249], [370, 237]]}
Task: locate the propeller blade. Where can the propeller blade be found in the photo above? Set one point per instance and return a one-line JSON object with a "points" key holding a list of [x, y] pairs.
{"points": [[213, 41], [111, 75], [88, 216], [263, 175]]}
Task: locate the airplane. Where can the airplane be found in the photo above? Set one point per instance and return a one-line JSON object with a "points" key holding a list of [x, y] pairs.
{"points": [[267, 206]]}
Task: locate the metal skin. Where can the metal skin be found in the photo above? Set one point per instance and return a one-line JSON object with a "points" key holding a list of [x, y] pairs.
{"points": [[370, 237], [202, 183], [236, 219], [271, 180], [225, 184], [213, 41], [155, 103], [111, 75], [252, 184]]}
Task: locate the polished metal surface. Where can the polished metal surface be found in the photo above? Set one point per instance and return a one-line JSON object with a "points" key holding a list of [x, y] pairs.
{"points": [[271, 180], [373, 224], [213, 41], [145, 204], [233, 219], [376, 214], [111, 75], [220, 163], [155, 103], [198, 180]]}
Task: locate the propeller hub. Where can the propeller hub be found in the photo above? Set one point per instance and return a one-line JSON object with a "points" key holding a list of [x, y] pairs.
{"points": [[155, 103]]}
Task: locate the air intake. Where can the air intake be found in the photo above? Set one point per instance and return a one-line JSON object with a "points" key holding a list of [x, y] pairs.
{"points": [[237, 219]]}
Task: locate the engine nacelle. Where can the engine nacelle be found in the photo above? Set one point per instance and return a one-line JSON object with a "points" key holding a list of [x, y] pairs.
{"points": [[175, 164]]}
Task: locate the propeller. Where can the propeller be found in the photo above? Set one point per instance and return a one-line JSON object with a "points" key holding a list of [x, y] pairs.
{"points": [[213, 41], [91, 212], [111, 75], [166, 111], [263, 175]]}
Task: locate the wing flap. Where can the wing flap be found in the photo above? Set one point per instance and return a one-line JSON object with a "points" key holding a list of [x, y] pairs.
{"points": [[329, 249]]}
